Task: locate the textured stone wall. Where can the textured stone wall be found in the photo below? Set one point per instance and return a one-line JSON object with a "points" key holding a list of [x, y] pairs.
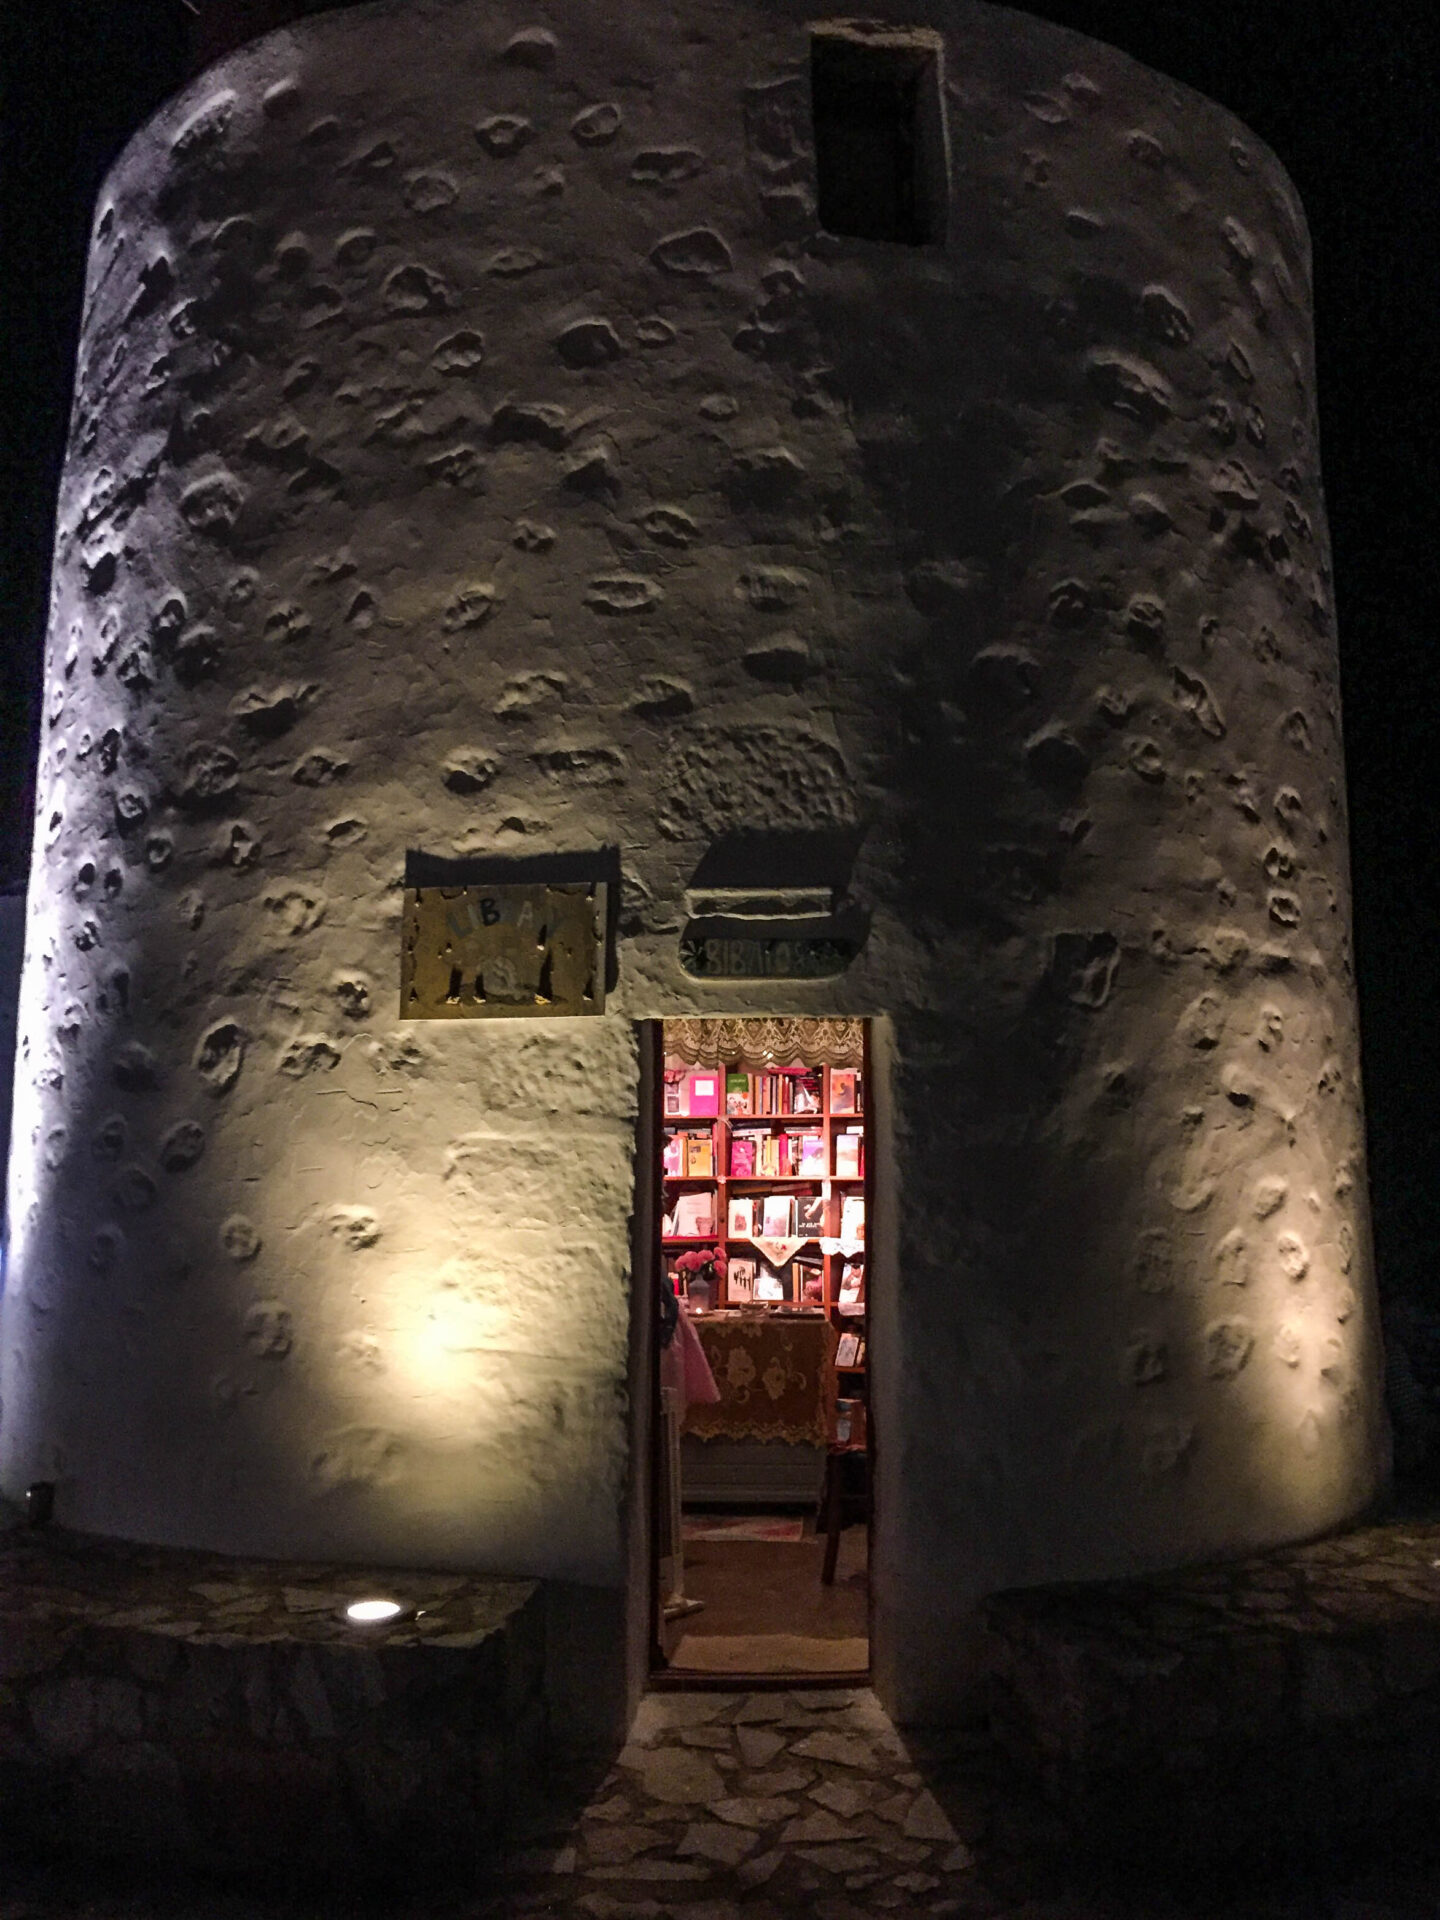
{"points": [[479, 450]]}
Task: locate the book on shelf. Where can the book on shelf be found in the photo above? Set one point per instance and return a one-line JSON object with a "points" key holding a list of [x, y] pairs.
{"points": [[812, 1155], [674, 1084], [852, 1219], [778, 1216], [737, 1094], [806, 1093], [740, 1281], [852, 1284], [741, 1222], [847, 1352], [673, 1157], [768, 1284], [695, 1216], [845, 1090], [850, 1153], [809, 1281], [809, 1216], [702, 1095], [742, 1156], [860, 1354], [667, 1225], [699, 1155]]}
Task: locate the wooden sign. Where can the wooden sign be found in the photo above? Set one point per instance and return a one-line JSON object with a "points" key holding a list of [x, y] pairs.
{"points": [[510, 951]]}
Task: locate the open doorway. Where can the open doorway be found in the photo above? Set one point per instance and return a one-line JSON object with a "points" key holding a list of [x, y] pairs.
{"points": [[765, 1426]]}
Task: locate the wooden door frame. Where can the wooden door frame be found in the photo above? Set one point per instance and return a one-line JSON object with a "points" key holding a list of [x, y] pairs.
{"points": [[649, 1253]]}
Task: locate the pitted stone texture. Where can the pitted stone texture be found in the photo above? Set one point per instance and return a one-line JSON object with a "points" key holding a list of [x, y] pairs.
{"points": [[603, 502]]}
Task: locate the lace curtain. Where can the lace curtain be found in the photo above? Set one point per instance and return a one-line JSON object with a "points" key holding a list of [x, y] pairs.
{"points": [[757, 1044]]}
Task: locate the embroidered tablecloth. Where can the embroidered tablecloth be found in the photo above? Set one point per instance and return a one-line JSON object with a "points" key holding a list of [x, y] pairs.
{"points": [[776, 1375]]}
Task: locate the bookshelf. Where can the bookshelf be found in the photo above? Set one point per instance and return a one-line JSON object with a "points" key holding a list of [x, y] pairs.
{"points": [[769, 1166]]}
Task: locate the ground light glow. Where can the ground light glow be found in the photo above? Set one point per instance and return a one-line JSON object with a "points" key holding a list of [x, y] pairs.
{"points": [[368, 1612]]}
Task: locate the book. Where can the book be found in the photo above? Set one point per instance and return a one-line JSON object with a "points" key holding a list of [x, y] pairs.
{"points": [[812, 1154], [742, 1156], [809, 1282], [778, 1215], [740, 1281], [699, 1155], [844, 1090], [737, 1094], [674, 1091], [809, 1216], [852, 1220], [849, 1154], [741, 1220], [768, 1284], [806, 1096], [702, 1095], [852, 1284], [847, 1353], [695, 1216], [673, 1157]]}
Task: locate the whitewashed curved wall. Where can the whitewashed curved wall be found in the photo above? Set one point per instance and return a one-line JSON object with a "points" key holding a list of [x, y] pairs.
{"points": [[478, 449]]}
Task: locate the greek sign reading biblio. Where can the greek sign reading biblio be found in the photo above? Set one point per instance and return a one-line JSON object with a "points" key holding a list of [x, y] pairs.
{"points": [[728, 956], [505, 951]]}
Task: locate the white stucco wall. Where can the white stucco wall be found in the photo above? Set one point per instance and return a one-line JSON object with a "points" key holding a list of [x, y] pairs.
{"points": [[478, 450]]}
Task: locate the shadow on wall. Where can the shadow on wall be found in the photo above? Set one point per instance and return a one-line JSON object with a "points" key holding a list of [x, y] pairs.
{"points": [[12, 946]]}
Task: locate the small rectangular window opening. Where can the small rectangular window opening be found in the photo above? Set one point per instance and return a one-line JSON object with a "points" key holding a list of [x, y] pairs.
{"points": [[879, 137]]}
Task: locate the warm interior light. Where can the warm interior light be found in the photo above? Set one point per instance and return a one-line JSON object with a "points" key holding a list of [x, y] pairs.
{"points": [[367, 1611]]}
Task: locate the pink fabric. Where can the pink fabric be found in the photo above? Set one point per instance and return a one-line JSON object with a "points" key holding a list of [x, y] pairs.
{"points": [[684, 1368]]}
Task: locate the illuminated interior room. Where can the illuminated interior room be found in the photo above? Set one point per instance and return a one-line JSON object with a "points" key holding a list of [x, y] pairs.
{"points": [[763, 1242]]}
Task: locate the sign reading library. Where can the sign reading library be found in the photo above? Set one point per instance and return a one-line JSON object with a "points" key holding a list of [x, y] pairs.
{"points": [[503, 951]]}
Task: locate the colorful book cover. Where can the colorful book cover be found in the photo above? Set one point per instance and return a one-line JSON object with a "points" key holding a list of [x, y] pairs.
{"points": [[843, 1090], [703, 1095], [812, 1154], [807, 1093], [810, 1216], [737, 1094], [699, 1154], [742, 1156], [847, 1154], [741, 1220], [852, 1220], [673, 1157], [779, 1217], [674, 1091]]}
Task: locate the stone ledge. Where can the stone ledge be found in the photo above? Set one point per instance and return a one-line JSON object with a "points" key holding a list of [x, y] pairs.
{"points": [[1287, 1700], [223, 1714]]}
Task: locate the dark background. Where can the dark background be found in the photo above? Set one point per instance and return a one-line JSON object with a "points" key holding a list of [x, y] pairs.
{"points": [[1348, 98]]}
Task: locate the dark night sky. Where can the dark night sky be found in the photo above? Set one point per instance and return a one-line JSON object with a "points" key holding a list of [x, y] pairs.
{"points": [[1350, 100]]}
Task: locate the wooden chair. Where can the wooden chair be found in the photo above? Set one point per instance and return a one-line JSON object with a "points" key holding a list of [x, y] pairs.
{"points": [[842, 1463]]}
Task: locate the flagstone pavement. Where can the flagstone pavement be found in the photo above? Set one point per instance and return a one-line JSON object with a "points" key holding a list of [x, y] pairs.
{"points": [[762, 1807]]}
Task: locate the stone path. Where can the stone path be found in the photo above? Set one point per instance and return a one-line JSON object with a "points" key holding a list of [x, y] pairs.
{"points": [[769, 1807], [718, 1796]]}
